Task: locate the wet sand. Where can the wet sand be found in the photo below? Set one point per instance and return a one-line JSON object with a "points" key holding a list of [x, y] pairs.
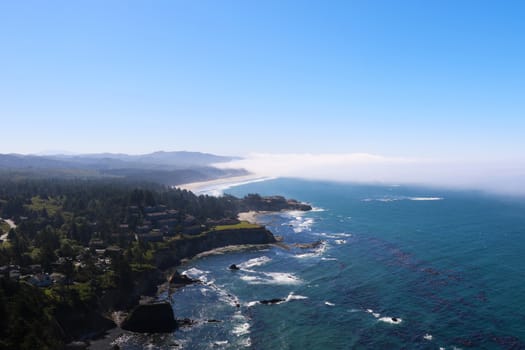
{"points": [[218, 184]]}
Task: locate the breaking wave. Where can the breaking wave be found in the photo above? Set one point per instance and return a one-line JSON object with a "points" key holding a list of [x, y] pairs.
{"points": [[282, 278], [255, 262]]}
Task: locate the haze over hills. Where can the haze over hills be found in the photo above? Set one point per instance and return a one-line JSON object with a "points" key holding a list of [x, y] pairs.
{"points": [[176, 159], [169, 168]]}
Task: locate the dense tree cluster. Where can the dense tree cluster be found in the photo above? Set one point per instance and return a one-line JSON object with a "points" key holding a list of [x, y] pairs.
{"points": [[53, 213], [57, 220], [27, 321], [82, 232]]}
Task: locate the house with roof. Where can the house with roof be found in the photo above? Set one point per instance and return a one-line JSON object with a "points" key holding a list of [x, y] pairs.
{"points": [[41, 280], [152, 236]]}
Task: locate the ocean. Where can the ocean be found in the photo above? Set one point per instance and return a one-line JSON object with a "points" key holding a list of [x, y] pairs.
{"points": [[397, 267]]}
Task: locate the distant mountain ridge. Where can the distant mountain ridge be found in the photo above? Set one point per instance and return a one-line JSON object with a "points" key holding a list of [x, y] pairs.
{"points": [[158, 160], [170, 168], [18, 161]]}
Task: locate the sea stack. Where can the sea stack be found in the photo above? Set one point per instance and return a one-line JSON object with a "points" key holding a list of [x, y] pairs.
{"points": [[151, 318], [178, 279]]}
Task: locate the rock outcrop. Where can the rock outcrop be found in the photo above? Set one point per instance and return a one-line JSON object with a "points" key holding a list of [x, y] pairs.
{"points": [[272, 301], [158, 317], [271, 203], [151, 318], [312, 245], [180, 280], [145, 283], [190, 246]]}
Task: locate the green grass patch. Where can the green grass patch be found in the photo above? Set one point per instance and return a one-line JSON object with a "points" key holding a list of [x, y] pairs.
{"points": [[52, 294], [142, 267], [107, 280], [241, 225], [85, 292], [4, 227], [51, 205]]}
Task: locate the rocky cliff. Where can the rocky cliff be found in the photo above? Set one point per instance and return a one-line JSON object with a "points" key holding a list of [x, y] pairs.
{"points": [[189, 246], [271, 203], [151, 318]]}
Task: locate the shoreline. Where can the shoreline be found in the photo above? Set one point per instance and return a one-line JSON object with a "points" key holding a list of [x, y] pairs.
{"points": [[11, 224], [111, 336], [108, 338], [250, 216], [217, 186]]}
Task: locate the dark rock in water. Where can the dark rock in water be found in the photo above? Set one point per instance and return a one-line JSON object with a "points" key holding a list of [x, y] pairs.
{"points": [[76, 345], [394, 319], [214, 321], [185, 322], [271, 301], [312, 245], [151, 318], [234, 267], [177, 278]]}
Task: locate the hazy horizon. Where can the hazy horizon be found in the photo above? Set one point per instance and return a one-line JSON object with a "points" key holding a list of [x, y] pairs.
{"points": [[503, 176], [425, 92]]}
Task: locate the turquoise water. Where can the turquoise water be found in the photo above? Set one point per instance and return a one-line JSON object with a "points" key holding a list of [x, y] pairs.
{"points": [[399, 268]]}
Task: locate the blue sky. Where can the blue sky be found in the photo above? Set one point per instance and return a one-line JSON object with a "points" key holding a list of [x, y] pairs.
{"points": [[423, 79]]}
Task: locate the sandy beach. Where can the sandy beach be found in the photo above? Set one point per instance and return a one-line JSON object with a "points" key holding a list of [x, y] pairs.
{"points": [[215, 187], [250, 216], [11, 224]]}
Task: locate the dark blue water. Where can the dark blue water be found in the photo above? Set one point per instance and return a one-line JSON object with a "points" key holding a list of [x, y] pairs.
{"points": [[398, 268]]}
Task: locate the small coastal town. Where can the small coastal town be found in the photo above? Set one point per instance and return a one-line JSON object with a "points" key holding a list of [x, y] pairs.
{"points": [[83, 254], [159, 225]]}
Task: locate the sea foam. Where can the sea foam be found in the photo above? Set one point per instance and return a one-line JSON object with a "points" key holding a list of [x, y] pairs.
{"points": [[375, 314], [272, 278], [301, 224], [427, 336], [241, 329], [293, 296], [426, 198], [316, 209], [255, 262], [335, 235], [288, 298], [195, 273], [401, 198], [297, 221], [390, 320]]}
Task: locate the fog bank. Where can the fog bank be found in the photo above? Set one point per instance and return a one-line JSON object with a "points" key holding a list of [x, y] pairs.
{"points": [[505, 177]]}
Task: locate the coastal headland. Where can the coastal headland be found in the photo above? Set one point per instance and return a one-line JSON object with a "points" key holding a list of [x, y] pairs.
{"points": [[217, 186], [104, 247]]}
